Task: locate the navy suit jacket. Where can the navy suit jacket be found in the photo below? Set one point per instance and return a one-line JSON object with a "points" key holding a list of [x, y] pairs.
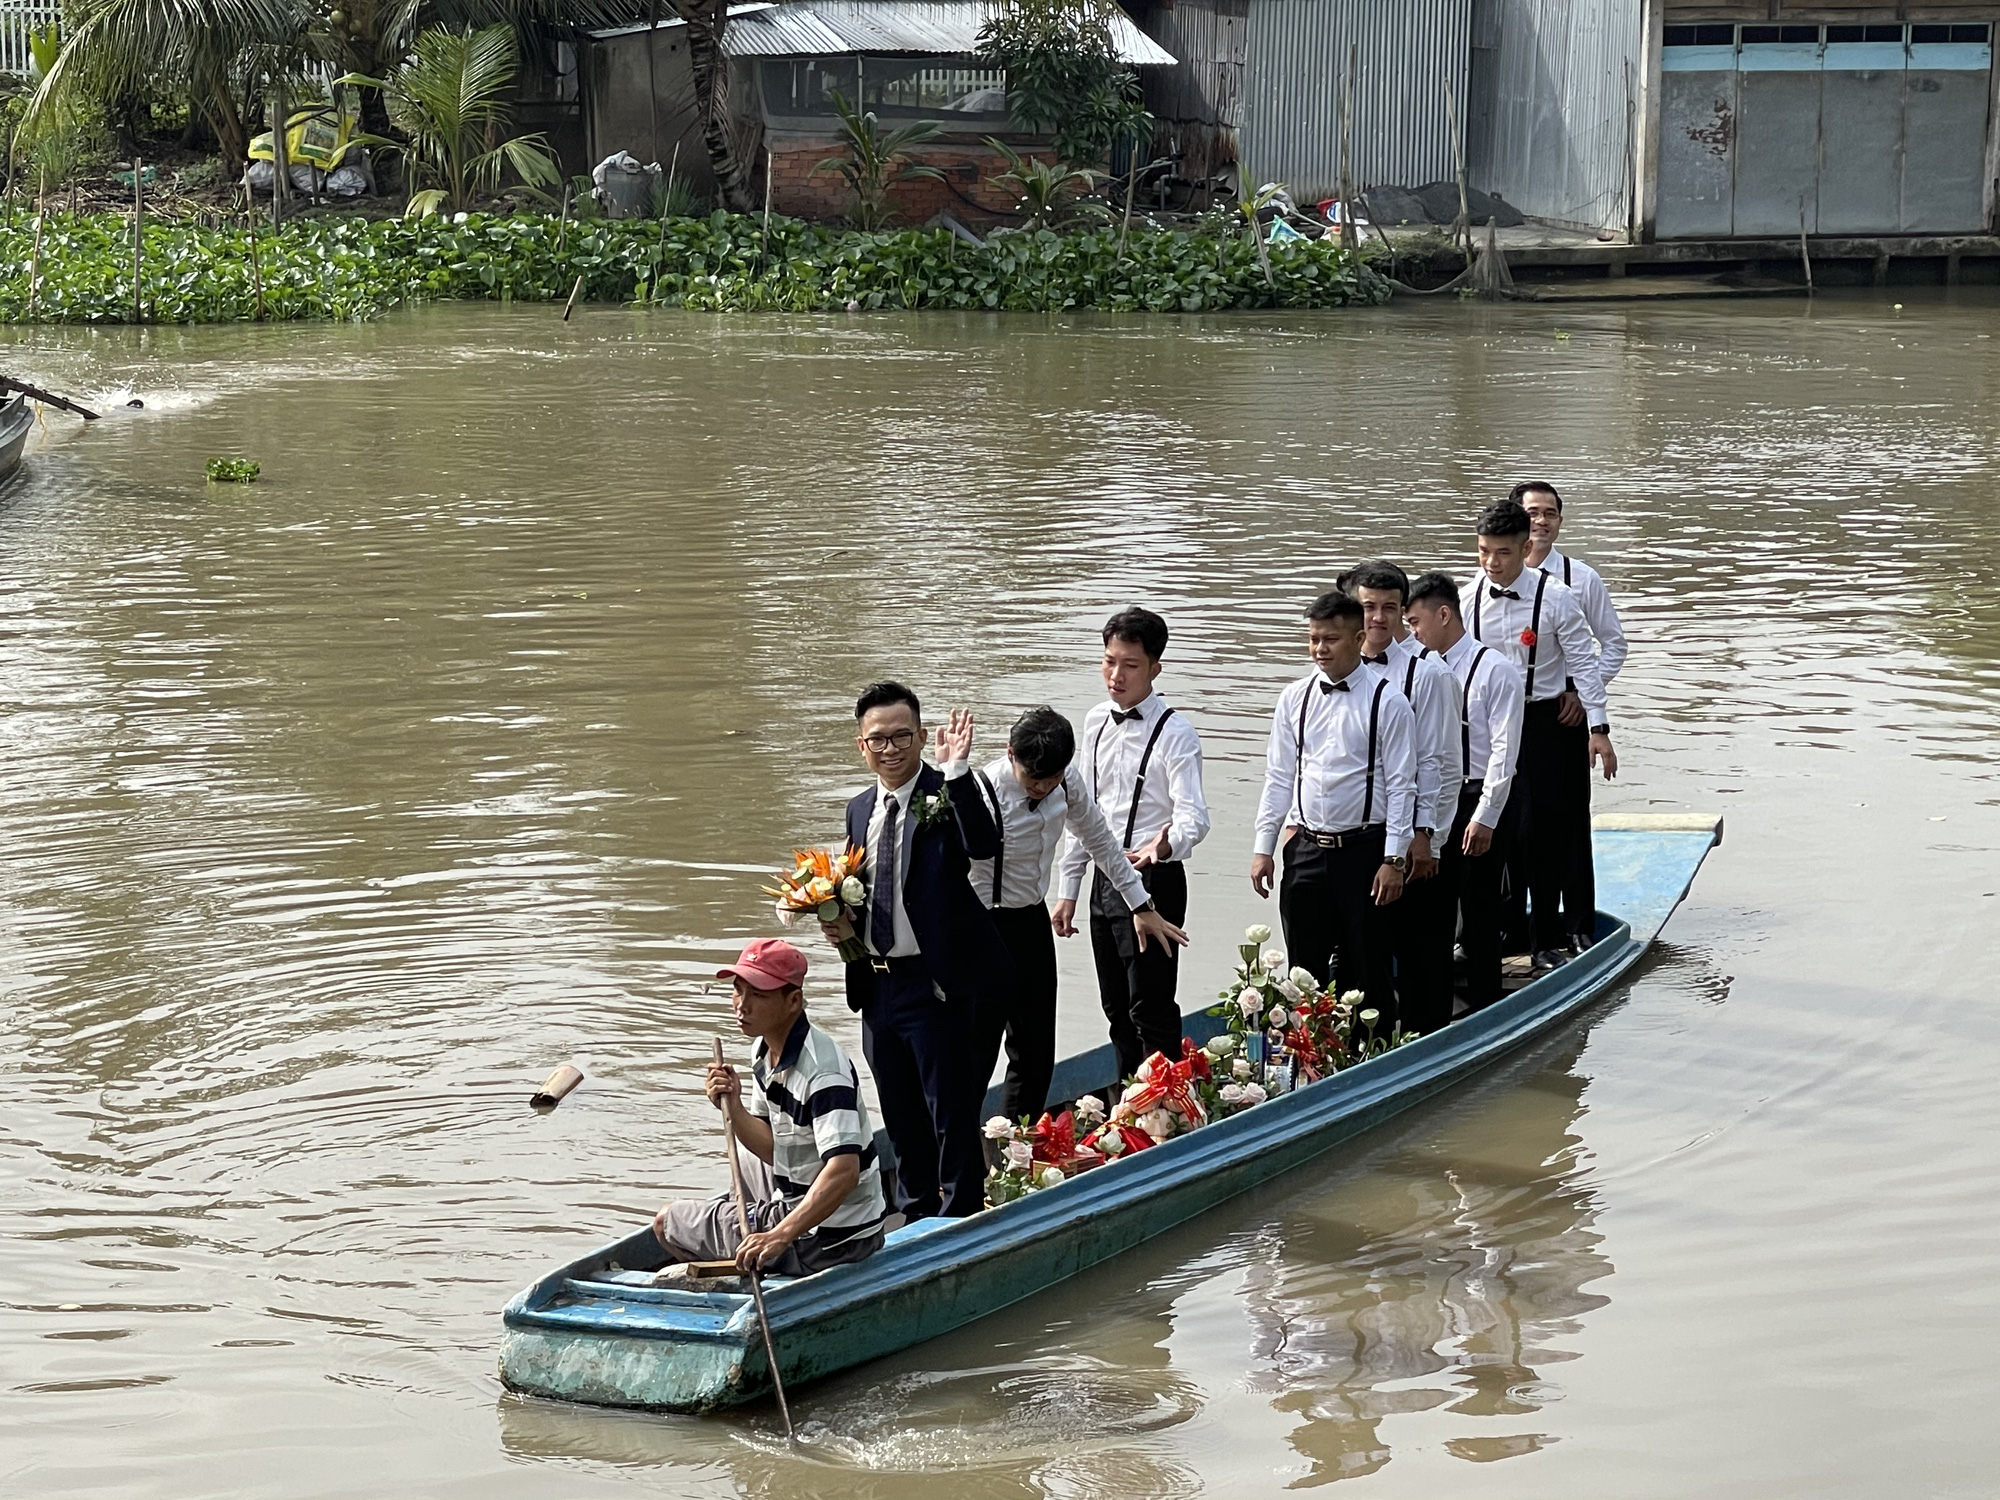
{"points": [[959, 942]]}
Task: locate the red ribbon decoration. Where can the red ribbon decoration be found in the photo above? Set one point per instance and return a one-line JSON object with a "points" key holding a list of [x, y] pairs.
{"points": [[1055, 1143], [1135, 1140], [1195, 1058], [1299, 1041], [1162, 1082]]}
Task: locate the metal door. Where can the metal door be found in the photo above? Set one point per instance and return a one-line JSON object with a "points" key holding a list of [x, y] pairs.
{"points": [[1697, 132], [1778, 115], [1944, 123], [1861, 131]]}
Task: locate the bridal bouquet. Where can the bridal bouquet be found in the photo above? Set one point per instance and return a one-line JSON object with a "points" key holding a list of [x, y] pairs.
{"points": [[827, 886]]}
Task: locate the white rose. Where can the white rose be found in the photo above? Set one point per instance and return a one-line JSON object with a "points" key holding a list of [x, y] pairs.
{"points": [[1257, 933], [1221, 1046], [786, 916], [1113, 1144], [1232, 1093], [1250, 1002], [1277, 1017], [1241, 1068], [999, 1128], [1254, 1094], [1020, 1155], [1274, 961], [1352, 998], [1304, 980], [1290, 991], [853, 892], [1090, 1107], [1157, 1123], [1050, 1176]]}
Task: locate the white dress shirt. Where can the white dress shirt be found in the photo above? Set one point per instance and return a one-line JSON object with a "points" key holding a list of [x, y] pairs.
{"points": [[1031, 835], [1563, 651], [1317, 770], [1598, 610], [906, 937], [1171, 797], [1491, 688], [1432, 692]]}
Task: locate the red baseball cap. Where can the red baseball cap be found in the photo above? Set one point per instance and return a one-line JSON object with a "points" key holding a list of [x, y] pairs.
{"points": [[767, 964]]}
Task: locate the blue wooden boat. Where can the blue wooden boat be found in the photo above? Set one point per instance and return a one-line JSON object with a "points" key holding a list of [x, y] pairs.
{"points": [[598, 1331]]}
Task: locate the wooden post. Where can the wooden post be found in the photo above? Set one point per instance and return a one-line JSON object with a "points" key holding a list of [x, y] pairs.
{"points": [[35, 260], [666, 199], [562, 224], [764, 241], [256, 273], [1462, 230], [1805, 254], [1131, 183], [280, 168], [138, 239], [570, 306], [1349, 235]]}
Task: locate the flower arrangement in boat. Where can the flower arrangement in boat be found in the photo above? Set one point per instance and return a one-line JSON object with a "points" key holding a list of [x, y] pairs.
{"points": [[1290, 1030], [1043, 1154], [826, 886]]}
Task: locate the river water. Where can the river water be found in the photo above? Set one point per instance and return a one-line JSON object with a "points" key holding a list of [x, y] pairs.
{"points": [[335, 810]]}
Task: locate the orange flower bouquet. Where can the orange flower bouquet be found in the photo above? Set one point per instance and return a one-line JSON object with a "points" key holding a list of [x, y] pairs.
{"points": [[827, 886]]}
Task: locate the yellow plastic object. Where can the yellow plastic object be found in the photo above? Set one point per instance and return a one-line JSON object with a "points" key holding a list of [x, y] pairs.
{"points": [[318, 137]]}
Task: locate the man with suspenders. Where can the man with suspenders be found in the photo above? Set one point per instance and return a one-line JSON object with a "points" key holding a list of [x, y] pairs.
{"points": [[1538, 624], [1544, 506], [1472, 858], [1036, 791], [1423, 943], [1341, 770], [1143, 764]]}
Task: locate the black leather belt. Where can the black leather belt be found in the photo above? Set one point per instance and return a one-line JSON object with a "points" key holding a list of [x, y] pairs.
{"points": [[906, 964], [1344, 837]]}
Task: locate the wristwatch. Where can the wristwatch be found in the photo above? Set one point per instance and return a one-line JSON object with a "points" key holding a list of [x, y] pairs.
{"points": [[1396, 862], [1603, 729]]}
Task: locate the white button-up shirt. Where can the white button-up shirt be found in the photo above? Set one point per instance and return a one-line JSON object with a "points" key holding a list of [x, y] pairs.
{"points": [[1317, 771], [1563, 651], [1598, 609], [1432, 694], [1172, 797], [1490, 686], [1032, 835]]}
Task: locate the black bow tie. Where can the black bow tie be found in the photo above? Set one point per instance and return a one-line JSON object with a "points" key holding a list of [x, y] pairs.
{"points": [[1376, 661], [1503, 594], [1327, 687], [1035, 802], [1126, 717]]}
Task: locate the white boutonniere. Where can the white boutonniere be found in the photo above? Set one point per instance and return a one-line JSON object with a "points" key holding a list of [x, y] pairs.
{"points": [[931, 808]]}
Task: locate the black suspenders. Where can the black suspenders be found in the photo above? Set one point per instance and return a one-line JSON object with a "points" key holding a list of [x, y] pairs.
{"points": [[1139, 781], [1410, 679], [1566, 582], [1465, 716], [1374, 721], [1535, 629], [1000, 832]]}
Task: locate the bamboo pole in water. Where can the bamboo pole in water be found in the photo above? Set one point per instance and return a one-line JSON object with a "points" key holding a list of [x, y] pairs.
{"points": [[1348, 237], [35, 260], [1462, 230], [256, 272], [138, 240], [280, 168]]}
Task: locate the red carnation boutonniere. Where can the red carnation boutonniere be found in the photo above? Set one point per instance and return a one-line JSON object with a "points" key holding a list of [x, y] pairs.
{"points": [[1528, 638]]}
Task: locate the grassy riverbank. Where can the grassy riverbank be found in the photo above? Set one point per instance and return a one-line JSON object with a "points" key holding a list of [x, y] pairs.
{"points": [[353, 268]]}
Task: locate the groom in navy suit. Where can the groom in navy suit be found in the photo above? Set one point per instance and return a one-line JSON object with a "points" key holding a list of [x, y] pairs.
{"points": [[931, 949]]}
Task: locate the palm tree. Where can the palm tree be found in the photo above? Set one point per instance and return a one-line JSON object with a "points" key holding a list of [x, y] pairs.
{"points": [[450, 102]]}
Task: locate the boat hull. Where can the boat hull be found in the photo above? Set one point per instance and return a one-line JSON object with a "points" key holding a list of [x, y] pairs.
{"points": [[16, 422], [578, 1337]]}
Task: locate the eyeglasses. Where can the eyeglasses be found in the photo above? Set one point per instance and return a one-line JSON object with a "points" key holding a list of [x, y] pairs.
{"points": [[900, 739]]}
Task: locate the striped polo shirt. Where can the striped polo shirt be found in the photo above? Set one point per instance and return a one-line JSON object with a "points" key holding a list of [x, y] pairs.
{"points": [[813, 1100]]}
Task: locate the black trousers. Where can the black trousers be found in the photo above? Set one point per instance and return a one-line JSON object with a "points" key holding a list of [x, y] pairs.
{"points": [[1425, 920], [1333, 928], [920, 1049], [1137, 989], [1479, 883], [1552, 859], [1024, 1016]]}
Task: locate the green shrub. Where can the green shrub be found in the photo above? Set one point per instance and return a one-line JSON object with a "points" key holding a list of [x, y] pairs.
{"points": [[354, 268]]}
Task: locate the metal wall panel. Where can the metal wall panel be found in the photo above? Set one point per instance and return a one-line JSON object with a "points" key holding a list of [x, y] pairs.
{"points": [[1295, 65], [1198, 102], [1777, 138], [1697, 156], [1861, 140], [1557, 108], [1945, 110]]}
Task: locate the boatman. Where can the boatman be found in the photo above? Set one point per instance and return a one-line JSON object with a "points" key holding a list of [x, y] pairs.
{"points": [[1475, 854], [1423, 941], [807, 1149], [932, 950], [1545, 514], [1142, 763], [1537, 623], [1037, 792], [1341, 767]]}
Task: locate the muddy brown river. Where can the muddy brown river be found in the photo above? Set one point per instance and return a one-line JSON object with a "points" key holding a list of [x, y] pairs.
{"points": [[336, 809]]}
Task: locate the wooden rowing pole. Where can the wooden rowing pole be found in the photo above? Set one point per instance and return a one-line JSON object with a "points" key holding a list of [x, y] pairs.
{"points": [[756, 1282], [8, 383]]}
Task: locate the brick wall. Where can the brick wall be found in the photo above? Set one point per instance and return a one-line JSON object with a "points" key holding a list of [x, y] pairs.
{"points": [[824, 197]]}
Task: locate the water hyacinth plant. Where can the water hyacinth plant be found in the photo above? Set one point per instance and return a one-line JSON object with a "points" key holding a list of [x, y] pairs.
{"points": [[232, 470], [354, 268]]}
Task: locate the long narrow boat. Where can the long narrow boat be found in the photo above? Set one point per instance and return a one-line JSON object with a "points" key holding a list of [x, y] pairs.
{"points": [[16, 422], [597, 1330]]}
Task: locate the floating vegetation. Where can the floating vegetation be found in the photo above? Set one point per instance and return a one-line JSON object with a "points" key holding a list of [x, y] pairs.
{"points": [[355, 268], [232, 470]]}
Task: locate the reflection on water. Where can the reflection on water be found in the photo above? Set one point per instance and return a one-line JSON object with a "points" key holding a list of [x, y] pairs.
{"points": [[337, 809]]}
